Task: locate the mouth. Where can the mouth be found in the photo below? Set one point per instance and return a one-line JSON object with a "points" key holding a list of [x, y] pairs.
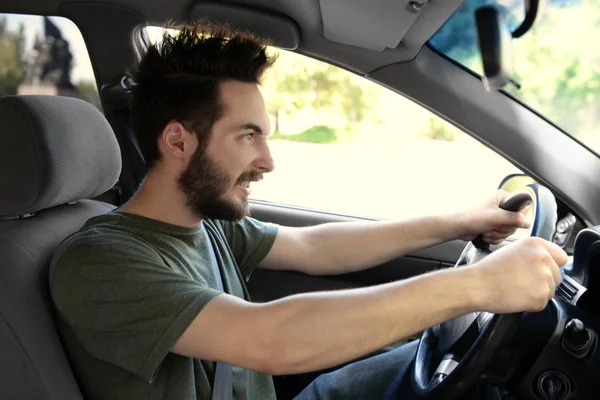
{"points": [[245, 181], [245, 185]]}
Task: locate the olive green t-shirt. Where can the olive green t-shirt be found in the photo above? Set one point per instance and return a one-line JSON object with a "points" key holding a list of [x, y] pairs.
{"points": [[126, 287]]}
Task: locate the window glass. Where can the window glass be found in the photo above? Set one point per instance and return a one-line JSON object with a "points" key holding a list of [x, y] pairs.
{"points": [[44, 55], [557, 62], [347, 145]]}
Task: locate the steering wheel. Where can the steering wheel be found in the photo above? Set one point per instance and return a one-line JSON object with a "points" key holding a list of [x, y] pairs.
{"points": [[464, 346]]}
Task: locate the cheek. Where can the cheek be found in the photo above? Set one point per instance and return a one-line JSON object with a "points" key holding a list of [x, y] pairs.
{"points": [[239, 160], [235, 156]]}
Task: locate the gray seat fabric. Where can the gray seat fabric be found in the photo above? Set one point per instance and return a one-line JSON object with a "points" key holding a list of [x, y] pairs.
{"points": [[54, 152]]}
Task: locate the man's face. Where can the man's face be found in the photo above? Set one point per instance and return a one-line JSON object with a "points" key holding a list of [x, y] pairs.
{"points": [[217, 180]]}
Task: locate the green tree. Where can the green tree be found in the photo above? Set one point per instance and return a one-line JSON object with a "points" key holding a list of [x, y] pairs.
{"points": [[297, 82], [353, 100], [439, 129], [12, 69], [558, 63]]}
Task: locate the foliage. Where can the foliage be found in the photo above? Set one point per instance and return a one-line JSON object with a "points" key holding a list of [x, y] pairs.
{"points": [[439, 130], [557, 62], [567, 88], [315, 134], [296, 83], [12, 69]]}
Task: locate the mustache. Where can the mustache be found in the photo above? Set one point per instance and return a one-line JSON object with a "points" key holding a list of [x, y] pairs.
{"points": [[249, 176]]}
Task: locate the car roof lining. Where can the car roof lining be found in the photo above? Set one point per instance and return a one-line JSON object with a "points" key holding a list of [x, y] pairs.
{"points": [[351, 22], [281, 30], [305, 14]]}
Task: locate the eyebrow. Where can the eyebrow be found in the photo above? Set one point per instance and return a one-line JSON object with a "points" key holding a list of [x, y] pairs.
{"points": [[253, 127]]}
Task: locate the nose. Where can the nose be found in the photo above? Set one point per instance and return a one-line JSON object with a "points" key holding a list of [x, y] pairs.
{"points": [[265, 161]]}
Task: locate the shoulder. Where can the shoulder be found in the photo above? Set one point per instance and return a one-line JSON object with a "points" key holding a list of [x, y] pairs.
{"points": [[247, 226], [93, 239], [96, 248]]}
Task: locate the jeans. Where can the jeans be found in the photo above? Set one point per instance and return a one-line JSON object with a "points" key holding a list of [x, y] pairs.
{"points": [[381, 377], [375, 378]]}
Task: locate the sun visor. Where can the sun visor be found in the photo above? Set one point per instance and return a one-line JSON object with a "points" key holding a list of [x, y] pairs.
{"points": [[352, 22], [281, 30]]}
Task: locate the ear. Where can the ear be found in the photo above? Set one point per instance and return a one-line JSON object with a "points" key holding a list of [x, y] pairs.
{"points": [[177, 142]]}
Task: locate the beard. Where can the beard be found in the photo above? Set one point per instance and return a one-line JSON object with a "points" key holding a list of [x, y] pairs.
{"points": [[204, 184]]}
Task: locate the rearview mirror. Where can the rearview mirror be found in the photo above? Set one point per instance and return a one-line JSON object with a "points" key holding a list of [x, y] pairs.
{"points": [[495, 45]]}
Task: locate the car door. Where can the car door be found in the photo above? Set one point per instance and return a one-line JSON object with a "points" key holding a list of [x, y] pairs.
{"points": [[266, 285]]}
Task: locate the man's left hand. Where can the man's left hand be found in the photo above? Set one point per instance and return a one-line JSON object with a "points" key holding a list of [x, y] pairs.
{"points": [[494, 223]]}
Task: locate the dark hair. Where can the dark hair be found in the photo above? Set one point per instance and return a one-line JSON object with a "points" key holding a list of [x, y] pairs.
{"points": [[178, 80]]}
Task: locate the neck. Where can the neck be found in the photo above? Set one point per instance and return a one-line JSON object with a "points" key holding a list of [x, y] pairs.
{"points": [[159, 198]]}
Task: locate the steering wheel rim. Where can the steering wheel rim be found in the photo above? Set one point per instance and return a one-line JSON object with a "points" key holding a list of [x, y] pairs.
{"points": [[496, 328]]}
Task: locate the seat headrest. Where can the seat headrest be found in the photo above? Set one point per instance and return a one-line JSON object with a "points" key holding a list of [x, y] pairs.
{"points": [[53, 150]]}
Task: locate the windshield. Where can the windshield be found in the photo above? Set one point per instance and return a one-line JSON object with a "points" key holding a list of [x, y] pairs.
{"points": [[557, 62]]}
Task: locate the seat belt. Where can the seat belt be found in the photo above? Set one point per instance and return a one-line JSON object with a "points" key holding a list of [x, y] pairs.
{"points": [[223, 385]]}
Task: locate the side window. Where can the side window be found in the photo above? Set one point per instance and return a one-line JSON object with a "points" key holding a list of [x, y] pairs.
{"points": [[347, 145], [44, 55]]}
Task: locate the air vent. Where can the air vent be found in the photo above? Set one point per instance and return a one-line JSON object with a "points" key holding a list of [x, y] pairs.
{"points": [[566, 290], [569, 289]]}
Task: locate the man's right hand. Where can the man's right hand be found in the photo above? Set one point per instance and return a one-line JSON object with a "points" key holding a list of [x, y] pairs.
{"points": [[521, 276]]}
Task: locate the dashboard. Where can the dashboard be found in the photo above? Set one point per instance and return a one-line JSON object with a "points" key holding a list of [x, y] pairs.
{"points": [[566, 362], [581, 278]]}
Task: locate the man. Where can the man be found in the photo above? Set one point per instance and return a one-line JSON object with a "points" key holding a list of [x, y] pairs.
{"points": [[136, 290]]}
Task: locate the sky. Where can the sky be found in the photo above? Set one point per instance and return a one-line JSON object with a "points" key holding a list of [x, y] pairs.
{"points": [[82, 68]]}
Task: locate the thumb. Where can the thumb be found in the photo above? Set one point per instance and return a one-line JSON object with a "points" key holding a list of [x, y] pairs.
{"points": [[515, 219]]}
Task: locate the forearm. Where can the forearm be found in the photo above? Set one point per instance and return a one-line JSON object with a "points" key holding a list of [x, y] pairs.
{"points": [[314, 331], [348, 247]]}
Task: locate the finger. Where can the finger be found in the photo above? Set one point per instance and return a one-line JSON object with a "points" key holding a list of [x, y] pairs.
{"points": [[559, 256], [493, 240], [556, 274], [499, 196], [524, 221], [506, 231], [551, 289], [525, 209], [493, 235], [498, 235], [555, 270]]}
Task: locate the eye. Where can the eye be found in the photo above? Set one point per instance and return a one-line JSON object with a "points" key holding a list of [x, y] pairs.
{"points": [[249, 136]]}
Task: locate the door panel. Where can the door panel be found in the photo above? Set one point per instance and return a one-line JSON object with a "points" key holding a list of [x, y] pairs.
{"points": [[267, 285]]}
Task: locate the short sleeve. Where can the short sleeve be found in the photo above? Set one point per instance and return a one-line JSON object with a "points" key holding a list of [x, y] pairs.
{"points": [[250, 240], [125, 306]]}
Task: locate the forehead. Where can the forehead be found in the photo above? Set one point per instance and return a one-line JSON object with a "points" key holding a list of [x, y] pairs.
{"points": [[243, 101]]}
